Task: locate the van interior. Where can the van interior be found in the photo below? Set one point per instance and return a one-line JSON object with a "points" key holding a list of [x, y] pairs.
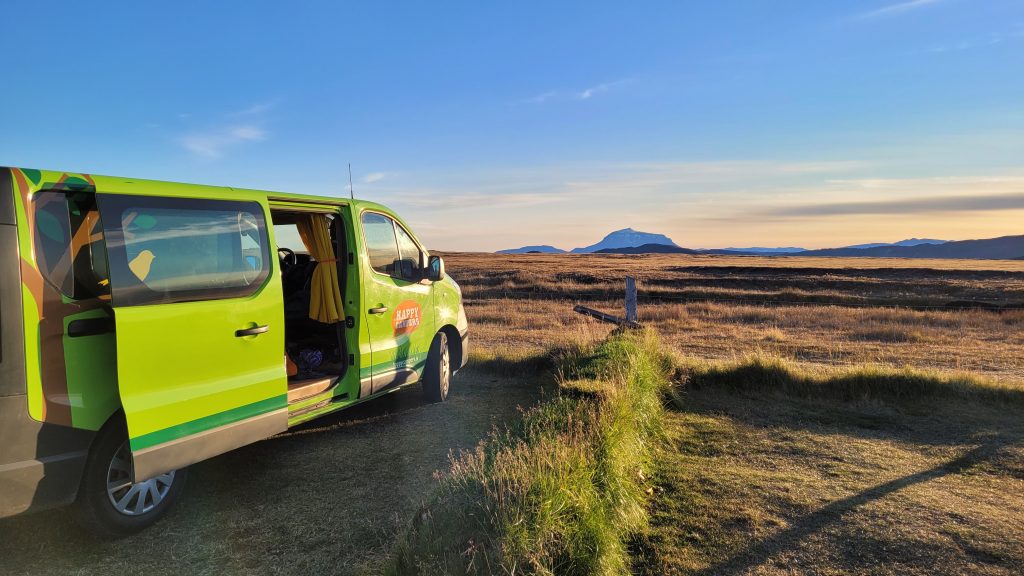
{"points": [[315, 351]]}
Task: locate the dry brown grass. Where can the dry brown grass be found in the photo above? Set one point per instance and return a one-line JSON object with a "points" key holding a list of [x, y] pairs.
{"points": [[855, 281], [757, 484], [763, 478], [949, 340]]}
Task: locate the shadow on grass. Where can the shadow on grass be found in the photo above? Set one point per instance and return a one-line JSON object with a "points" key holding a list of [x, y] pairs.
{"points": [[514, 366], [979, 424], [410, 397], [761, 551], [322, 499], [774, 375]]}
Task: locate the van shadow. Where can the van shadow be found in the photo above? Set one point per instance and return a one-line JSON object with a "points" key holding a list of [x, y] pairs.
{"points": [[757, 553]]}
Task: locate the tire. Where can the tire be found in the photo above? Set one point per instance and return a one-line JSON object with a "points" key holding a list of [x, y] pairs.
{"points": [[118, 512], [437, 375]]}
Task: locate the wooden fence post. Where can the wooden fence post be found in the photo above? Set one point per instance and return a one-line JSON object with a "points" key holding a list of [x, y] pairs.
{"points": [[631, 315]]}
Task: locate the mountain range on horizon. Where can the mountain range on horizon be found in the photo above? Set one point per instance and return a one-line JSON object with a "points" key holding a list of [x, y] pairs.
{"points": [[908, 242], [630, 241], [625, 238]]}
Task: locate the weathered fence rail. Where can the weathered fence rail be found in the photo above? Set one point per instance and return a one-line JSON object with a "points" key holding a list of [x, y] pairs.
{"points": [[631, 319]]}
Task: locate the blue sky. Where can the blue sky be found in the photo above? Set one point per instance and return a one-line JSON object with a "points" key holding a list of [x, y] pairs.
{"points": [[490, 126]]}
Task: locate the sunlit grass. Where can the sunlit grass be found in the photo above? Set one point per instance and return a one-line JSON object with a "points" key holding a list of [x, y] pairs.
{"points": [[559, 492]]}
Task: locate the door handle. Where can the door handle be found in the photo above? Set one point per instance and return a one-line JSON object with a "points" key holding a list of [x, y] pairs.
{"points": [[378, 310], [252, 331]]}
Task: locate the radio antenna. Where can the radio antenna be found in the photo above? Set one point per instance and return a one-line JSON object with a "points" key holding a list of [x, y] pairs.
{"points": [[351, 191]]}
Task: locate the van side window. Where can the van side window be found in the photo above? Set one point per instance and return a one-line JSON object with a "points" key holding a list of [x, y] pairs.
{"points": [[53, 240], [409, 252], [379, 232], [181, 249], [69, 246]]}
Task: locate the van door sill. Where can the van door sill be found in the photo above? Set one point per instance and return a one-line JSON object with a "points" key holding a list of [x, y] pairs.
{"points": [[301, 389]]}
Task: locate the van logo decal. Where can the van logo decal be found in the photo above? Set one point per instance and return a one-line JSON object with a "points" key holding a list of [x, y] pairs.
{"points": [[406, 318]]}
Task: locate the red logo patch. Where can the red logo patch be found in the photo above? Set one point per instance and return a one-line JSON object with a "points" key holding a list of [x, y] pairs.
{"points": [[406, 318]]}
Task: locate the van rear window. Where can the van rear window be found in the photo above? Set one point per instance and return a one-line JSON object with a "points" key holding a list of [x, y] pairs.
{"points": [[181, 249], [68, 242]]}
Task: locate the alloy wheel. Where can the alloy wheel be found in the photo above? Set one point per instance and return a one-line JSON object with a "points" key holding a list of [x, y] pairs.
{"points": [[446, 372], [134, 499]]}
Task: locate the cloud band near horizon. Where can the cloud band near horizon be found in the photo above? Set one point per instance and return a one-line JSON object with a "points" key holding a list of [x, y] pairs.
{"points": [[933, 204]]}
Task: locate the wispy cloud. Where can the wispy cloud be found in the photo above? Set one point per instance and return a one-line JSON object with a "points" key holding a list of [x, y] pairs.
{"points": [[993, 39], [818, 203], [926, 205], [254, 109], [897, 9], [567, 95], [447, 200], [658, 185], [238, 127], [589, 92], [214, 143], [540, 98], [374, 177], [957, 47]]}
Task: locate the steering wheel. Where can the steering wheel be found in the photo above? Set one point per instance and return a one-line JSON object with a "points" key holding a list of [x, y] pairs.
{"points": [[288, 258]]}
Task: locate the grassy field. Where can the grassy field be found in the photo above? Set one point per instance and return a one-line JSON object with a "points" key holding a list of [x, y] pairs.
{"points": [[763, 483], [563, 490], [815, 431], [826, 416], [814, 311]]}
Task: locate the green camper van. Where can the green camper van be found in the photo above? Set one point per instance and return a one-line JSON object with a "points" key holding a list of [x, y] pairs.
{"points": [[146, 326]]}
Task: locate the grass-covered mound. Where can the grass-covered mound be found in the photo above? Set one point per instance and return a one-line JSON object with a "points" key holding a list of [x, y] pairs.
{"points": [[563, 490], [765, 373]]}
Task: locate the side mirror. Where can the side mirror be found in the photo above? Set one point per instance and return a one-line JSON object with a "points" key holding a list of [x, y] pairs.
{"points": [[435, 269]]}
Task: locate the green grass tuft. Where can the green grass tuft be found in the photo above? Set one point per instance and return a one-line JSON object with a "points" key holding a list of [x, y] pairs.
{"points": [[561, 491]]}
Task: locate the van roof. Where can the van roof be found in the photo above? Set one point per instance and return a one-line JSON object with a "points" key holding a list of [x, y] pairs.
{"points": [[55, 179]]}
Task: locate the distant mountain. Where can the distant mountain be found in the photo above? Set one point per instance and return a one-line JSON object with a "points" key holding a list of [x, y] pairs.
{"points": [[648, 249], [760, 250], [626, 238], [542, 249], [908, 242], [630, 241], [1005, 247], [742, 252]]}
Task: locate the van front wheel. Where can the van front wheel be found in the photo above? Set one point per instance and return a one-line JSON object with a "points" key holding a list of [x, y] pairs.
{"points": [[438, 373], [109, 503]]}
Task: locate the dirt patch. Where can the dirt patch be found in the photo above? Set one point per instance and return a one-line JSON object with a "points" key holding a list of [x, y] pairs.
{"points": [[326, 498]]}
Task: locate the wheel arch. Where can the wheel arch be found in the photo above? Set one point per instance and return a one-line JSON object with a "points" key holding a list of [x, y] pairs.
{"points": [[455, 344], [117, 418]]}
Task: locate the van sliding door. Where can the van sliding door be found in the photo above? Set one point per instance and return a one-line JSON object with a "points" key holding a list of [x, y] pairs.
{"points": [[199, 325]]}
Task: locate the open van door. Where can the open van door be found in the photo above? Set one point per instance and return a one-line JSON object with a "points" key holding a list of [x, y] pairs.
{"points": [[199, 326]]}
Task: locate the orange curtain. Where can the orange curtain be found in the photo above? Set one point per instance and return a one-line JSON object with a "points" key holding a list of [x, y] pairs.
{"points": [[325, 293]]}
